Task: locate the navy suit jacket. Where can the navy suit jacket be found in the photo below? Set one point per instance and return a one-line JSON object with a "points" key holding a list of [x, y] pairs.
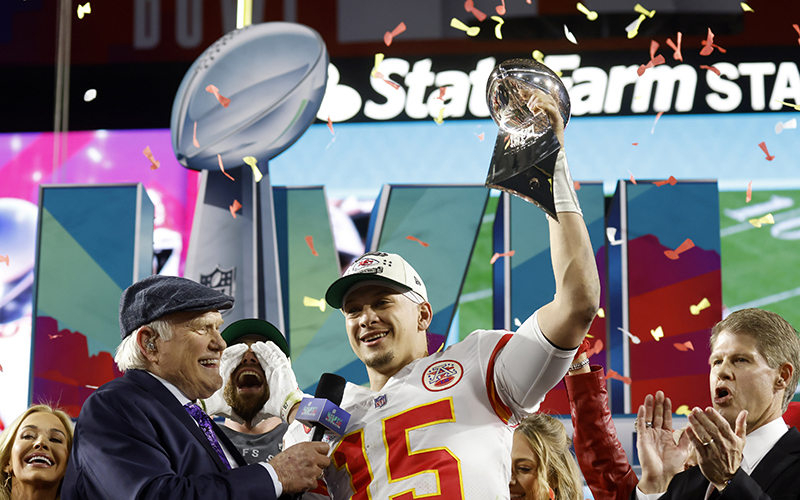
{"points": [[777, 477], [134, 440]]}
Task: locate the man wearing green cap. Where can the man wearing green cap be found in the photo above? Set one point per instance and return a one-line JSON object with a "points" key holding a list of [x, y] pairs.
{"points": [[254, 366]]}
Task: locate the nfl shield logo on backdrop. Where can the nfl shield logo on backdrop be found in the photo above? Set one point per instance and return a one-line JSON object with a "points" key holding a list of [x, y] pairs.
{"points": [[222, 280]]}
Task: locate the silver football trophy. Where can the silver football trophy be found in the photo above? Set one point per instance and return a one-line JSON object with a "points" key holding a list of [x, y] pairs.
{"points": [[526, 148]]}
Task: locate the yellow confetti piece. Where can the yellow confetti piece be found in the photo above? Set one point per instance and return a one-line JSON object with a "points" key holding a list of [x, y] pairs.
{"points": [[633, 28], [252, 162], [538, 56], [746, 7], [312, 302], [601, 313], [767, 219], [683, 410], [795, 106], [471, 30], [500, 22], [590, 14], [378, 60], [84, 9], [704, 304], [657, 334], [440, 119], [641, 10]]}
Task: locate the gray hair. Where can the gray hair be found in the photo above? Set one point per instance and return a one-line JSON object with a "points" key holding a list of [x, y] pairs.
{"points": [[129, 356]]}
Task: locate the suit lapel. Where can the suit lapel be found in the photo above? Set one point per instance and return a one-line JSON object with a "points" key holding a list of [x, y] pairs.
{"points": [[785, 452], [166, 398]]}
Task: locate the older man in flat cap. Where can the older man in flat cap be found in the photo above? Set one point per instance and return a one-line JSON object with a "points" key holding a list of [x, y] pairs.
{"points": [[143, 436]]}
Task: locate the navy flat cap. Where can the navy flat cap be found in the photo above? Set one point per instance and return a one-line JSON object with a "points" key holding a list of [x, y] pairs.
{"points": [[156, 296]]}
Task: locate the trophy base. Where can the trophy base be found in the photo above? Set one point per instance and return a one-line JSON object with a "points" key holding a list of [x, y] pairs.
{"points": [[526, 171]]}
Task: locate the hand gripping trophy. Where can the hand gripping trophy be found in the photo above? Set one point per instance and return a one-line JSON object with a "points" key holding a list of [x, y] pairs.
{"points": [[526, 149]]}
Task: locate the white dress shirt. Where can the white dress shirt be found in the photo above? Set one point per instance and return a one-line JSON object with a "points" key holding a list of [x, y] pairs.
{"points": [[182, 399], [758, 444]]}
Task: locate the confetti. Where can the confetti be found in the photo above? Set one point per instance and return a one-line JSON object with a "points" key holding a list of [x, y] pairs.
{"points": [[54, 336], [686, 346], [379, 75], [312, 302], [539, 57], [569, 35], [677, 48], [683, 410], [412, 238], [389, 36], [654, 61], [695, 309], [330, 125], [657, 334], [93, 387], [310, 243], [498, 255], [795, 106], [194, 136], [617, 376], [440, 118], [767, 219], [222, 99], [796, 28], [641, 10], [653, 130], [749, 195], [601, 313], [5, 259], [84, 9], [781, 126], [551, 493], [480, 136], [590, 14], [671, 181], [500, 22], [253, 163], [634, 338], [1, 368], [634, 144], [223, 168], [442, 90], [501, 9], [633, 180], [595, 349], [709, 45], [235, 207], [611, 233], [471, 31], [710, 68], [686, 245], [469, 6], [576, 185], [378, 60], [149, 154], [89, 95], [746, 7], [763, 146], [633, 28]]}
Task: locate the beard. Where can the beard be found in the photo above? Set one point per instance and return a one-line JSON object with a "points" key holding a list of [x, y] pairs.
{"points": [[245, 405], [380, 360]]}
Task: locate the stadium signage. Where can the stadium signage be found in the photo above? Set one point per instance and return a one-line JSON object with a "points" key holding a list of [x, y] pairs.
{"points": [[597, 88]]}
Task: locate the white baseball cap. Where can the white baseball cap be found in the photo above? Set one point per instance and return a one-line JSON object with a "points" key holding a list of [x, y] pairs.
{"points": [[379, 267]]}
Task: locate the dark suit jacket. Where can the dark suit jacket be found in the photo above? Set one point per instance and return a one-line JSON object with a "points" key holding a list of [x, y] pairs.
{"points": [[777, 477], [134, 440]]}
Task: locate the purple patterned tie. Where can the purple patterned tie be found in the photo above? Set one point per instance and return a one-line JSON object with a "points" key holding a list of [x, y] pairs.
{"points": [[204, 422]]}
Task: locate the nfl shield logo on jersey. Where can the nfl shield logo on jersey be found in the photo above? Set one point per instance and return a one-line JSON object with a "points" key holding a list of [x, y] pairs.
{"points": [[380, 401], [442, 375], [222, 280]]}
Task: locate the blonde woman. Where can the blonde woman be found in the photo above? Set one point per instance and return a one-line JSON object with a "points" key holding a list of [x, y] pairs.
{"points": [[34, 451], [542, 466]]}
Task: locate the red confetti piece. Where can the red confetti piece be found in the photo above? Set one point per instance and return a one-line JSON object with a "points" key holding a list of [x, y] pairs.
{"points": [[235, 207], [633, 180], [710, 68], [330, 125], [222, 99], [498, 255], [763, 146], [677, 48], [223, 169], [389, 35], [749, 195], [551, 493], [194, 136], [378, 74], [412, 238], [54, 336], [469, 6], [480, 136], [617, 376], [1, 368], [673, 255], [686, 346], [658, 115], [441, 93], [708, 44], [635, 143], [501, 9], [5, 259], [671, 181], [595, 349], [310, 243], [149, 154], [577, 185], [797, 29]]}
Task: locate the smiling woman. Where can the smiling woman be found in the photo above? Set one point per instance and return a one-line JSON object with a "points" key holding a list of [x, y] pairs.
{"points": [[34, 451]]}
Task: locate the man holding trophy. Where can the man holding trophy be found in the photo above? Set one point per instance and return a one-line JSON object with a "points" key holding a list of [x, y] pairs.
{"points": [[437, 426]]}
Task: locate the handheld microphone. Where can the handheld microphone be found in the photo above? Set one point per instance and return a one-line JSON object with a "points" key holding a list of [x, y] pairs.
{"points": [[322, 411]]}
